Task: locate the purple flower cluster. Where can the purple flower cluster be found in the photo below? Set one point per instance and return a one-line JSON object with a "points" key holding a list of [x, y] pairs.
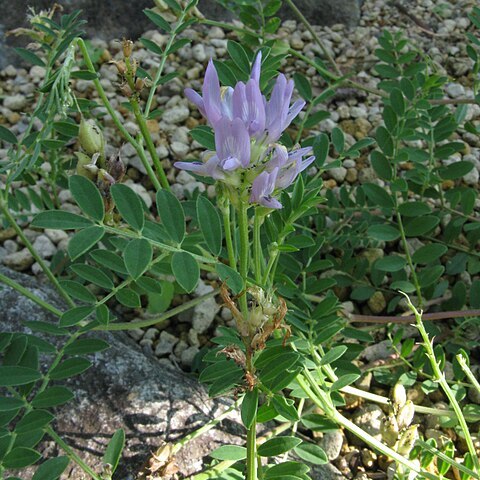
{"points": [[247, 127]]}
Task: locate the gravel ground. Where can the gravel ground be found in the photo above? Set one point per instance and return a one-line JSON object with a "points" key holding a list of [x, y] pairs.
{"points": [[436, 27]]}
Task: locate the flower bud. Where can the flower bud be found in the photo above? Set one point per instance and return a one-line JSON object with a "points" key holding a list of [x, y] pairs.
{"points": [[127, 46], [91, 137], [139, 84], [407, 440], [126, 90], [85, 168], [389, 430], [405, 414], [399, 396], [121, 67]]}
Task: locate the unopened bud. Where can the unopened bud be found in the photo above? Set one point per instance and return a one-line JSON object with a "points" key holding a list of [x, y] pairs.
{"points": [[127, 46], [405, 414], [116, 167], [121, 67], [126, 90], [91, 137], [399, 396], [407, 440], [84, 166], [390, 430], [139, 84]]}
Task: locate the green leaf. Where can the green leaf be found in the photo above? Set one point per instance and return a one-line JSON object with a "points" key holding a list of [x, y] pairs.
{"points": [[114, 449], [210, 224], [172, 215], [429, 253], [303, 86], [278, 445], [78, 291], [203, 134], [377, 195], [30, 57], [232, 278], [84, 346], [338, 139], [311, 453], [321, 146], [430, 275], [381, 165], [137, 256], [333, 354], [129, 205], [229, 452], [33, 420], [84, 75], [285, 408], [75, 315], [475, 294], [158, 20], [84, 240], [249, 407], [186, 271], [8, 404], [414, 209], [386, 233], [110, 260], [51, 469], [87, 196], [239, 56], [69, 368], [392, 263], [20, 457], [152, 46], [397, 101], [60, 220], [420, 225], [178, 45], [384, 141], [93, 275], [456, 170], [7, 136], [11, 376], [69, 129], [129, 298], [52, 397]]}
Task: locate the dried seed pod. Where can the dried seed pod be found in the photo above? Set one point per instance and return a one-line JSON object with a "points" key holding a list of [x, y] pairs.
{"points": [[91, 137], [115, 167], [127, 47]]}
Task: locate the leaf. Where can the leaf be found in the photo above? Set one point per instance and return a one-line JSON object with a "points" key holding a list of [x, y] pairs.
{"points": [[321, 146], [303, 86], [239, 56], [210, 224], [137, 256], [129, 298], [186, 271], [172, 215], [52, 397], [386, 233], [277, 446], [60, 220], [152, 46], [110, 260], [414, 209], [20, 457], [84, 240], [377, 195], [285, 408], [7, 136], [69, 368], [78, 291], [204, 136], [11, 376], [8, 404], [456, 170], [249, 407], [475, 294], [129, 205], [397, 101], [93, 275], [311, 453], [229, 452], [84, 75], [333, 354], [381, 165], [392, 263], [430, 275], [420, 225], [51, 469], [114, 449], [75, 315], [87, 196], [232, 278], [30, 57], [344, 380], [84, 346], [429, 253], [158, 20], [69, 129], [33, 420], [178, 45], [338, 139]]}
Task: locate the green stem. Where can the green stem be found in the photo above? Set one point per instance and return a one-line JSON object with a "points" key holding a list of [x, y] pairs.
{"points": [[71, 454], [103, 97], [252, 452], [244, 252], [227, 225], [257, 247], [464, 366], [304, 120], [27, 293], [34, 253]]}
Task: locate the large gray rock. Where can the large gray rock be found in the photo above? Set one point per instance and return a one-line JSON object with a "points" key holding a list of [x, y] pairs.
{"points": [[153, 401], [115, 19]]}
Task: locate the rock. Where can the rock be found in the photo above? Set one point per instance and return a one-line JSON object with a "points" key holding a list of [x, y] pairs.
{"points": [[377, 302], [378, 351], [204, 313], [55, 236], [180, 149], [152, 401], [455, 90], [44, 246], [215, 33], [176, 114], [472, 177], [368, 417], [183, 177], [10, 246], [165, 344], [141, 191], [15, 102], [338, 173], [19, 261], [188, 355], [332, 444], [198, 52]]}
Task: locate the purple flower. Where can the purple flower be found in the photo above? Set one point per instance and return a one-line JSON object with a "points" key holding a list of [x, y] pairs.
{"points": [[262, 189]]}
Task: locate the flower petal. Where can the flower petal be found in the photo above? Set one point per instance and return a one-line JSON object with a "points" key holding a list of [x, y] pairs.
{"points": [[211, 94]]}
